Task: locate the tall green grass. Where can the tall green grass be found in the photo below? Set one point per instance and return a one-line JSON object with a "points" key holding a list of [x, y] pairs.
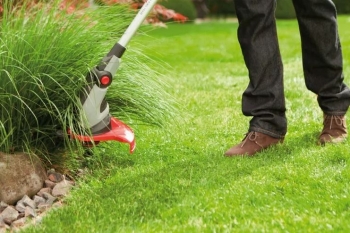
{"points": [[44, 57]]}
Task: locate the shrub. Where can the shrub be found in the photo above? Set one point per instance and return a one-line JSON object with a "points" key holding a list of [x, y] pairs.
{"points": [[221, 7], [343, 7], [184, 7], [43, 63], [285, 9]]}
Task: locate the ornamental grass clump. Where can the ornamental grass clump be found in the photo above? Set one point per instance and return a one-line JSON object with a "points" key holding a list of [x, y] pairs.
{"points": [[45, 55]]}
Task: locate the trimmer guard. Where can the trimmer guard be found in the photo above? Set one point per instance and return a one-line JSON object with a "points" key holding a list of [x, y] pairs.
{"points": [[118, 132]]}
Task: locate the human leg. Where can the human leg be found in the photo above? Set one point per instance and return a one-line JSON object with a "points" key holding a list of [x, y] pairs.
{"points": [[264, 97], [323, 64]]}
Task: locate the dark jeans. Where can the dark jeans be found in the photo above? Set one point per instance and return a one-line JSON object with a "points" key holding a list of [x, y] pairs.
{"points": [[322, 61]]}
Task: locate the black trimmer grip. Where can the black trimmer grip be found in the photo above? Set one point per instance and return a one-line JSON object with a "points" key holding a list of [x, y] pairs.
{"points": [[117, 50]]}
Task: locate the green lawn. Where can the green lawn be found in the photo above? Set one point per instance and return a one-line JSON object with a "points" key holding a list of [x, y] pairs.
{"points": [[178, 179]]}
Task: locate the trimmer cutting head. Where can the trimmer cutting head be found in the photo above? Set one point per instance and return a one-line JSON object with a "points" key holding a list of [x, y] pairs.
{"points": [[99, 122], [117, 131]]}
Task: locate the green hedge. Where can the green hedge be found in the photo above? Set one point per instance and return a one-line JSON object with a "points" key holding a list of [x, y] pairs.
{"points": [[184, 7], [285, 9], [221, 7], [343, 6]]}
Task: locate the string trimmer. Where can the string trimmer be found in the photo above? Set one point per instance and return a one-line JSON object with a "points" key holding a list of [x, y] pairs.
{"points": [[100, 123]]}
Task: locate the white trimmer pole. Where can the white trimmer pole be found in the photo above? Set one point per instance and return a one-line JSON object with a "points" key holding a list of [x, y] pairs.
{"points": [[135, 24], [110, 62], [96, 109]]}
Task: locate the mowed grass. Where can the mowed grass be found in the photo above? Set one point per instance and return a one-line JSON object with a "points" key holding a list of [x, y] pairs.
{"points": [[178, 179]]}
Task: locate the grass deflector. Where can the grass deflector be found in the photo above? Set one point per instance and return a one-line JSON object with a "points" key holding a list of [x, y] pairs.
{"points": [[102, 125]]}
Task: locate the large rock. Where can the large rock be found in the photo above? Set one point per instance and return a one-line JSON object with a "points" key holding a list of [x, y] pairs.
{"points": [[20, 175]]}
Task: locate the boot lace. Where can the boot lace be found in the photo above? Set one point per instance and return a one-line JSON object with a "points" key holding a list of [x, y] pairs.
{"points": [[338, 120], [252, 136]]}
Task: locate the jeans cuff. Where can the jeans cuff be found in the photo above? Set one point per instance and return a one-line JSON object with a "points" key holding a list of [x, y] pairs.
{"points": [[267, 132], [341, 113]]}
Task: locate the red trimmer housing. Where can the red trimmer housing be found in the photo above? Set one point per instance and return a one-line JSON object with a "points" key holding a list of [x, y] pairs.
{"points": [[118, 132]]}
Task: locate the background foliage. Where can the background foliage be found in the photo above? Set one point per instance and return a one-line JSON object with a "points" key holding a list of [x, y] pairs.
{"points": [[224, 8], [184, 7], [343, 6], [284, 9]]}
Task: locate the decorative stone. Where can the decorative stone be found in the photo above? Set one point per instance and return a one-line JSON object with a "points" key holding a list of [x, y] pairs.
{"points": [[3, 227], [49, 198], [37, 199], [20, 207], [49, 184], [19, 223], [29, 212], [9, 214], [62, 188], [28, 202], [20, 174], [3, 206], [44, 190], [42, 207], [55, 176]]}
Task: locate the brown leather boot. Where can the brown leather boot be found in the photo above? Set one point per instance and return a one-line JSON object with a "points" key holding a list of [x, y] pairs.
{"points": [[334, 129], [253, 143]]}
